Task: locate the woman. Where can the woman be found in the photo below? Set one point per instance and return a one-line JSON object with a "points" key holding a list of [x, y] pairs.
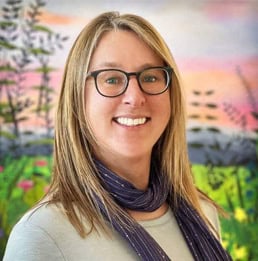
{"points": [[122, 187]]}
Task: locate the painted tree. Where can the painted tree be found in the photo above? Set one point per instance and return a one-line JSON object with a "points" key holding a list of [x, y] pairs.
{"points": [[24, 44], [10, 86]]}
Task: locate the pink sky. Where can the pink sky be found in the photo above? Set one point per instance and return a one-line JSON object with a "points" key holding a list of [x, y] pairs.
{"points": [[223, 80]]}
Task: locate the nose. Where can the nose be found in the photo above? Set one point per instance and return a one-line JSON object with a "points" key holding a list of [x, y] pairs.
{"points": [[133, 95]]}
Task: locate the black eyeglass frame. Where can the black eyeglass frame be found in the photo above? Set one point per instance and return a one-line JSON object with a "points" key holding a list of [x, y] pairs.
{"points": [[167, 69]]}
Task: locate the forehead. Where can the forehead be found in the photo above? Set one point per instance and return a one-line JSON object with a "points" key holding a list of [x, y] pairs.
{"points": [[123, 48]]}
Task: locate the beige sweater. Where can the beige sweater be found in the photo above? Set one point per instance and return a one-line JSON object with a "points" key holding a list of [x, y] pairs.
{"points": [[47, 235]]}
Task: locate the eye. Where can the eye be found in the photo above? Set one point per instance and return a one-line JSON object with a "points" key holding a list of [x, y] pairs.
{"points": [[113, 80], [149, 78]]}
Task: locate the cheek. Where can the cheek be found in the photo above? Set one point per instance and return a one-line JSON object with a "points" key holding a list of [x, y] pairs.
{"points": [[163, 107], [165, 113], [92, 100], [95, 111], [98, 108], [92, 106]]}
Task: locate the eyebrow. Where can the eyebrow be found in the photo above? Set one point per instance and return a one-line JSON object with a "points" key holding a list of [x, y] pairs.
{"points": [[109, 64], [105, 65]]}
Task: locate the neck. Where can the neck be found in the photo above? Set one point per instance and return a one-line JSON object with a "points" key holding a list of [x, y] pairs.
{"points": [[136, 171], [143, 215]]}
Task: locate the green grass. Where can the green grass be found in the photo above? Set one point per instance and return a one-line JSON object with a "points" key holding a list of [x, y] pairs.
{"points": [[234, 188], [24, 181]]}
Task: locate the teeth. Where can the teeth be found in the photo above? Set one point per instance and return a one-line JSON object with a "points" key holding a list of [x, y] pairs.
{"points": [[131, 122]]}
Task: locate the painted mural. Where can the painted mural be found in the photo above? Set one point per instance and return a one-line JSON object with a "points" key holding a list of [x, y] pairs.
{"points": [[215, 46]]}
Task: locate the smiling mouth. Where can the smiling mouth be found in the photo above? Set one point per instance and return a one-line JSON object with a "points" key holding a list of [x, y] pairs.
{"points": [[131, 122]]}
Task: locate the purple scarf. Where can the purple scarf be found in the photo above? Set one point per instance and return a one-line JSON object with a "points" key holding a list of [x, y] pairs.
{"points": [[201, 242]]}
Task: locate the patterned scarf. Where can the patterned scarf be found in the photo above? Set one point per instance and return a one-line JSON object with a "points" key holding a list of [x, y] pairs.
{"points": [[201, 242]]}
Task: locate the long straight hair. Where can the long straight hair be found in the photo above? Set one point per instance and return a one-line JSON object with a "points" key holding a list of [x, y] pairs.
{"points": [[75, 184]]}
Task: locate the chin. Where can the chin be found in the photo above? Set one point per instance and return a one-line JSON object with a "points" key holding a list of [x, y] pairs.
{"points": [[134, 153]]}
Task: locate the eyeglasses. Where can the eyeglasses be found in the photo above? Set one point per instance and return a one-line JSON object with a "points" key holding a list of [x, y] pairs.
{"points": [[114, 82]]}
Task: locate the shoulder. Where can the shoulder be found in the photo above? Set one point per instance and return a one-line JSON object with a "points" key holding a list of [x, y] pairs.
{"points": [[211, 213], [45, 218], [45, 233], [35, 236]]}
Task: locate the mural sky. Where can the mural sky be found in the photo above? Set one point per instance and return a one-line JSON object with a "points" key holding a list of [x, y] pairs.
{"points": [[213, 42]]}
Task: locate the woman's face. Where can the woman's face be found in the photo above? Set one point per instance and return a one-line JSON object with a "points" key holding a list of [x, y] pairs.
{"points": [[127, 126]]}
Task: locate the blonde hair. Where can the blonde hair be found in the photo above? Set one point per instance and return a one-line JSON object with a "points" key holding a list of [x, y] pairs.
{"points": [[75, 184]]}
